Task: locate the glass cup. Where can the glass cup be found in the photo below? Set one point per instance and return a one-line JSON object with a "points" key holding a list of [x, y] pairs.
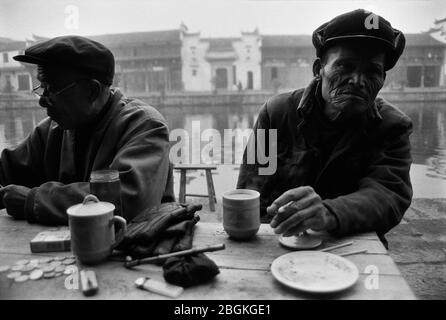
{"points": [[105, 185]]}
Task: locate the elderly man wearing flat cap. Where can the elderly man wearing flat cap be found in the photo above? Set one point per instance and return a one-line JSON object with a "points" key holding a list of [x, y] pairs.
{"points": [[90, 126], [343, 154]]}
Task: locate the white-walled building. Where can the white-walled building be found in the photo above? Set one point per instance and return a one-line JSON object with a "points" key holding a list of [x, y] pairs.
{"points": [[221, 63], [439, 33], [196, 71], [13, 75]]}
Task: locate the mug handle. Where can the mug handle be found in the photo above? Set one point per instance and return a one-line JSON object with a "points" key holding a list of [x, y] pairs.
{"points": [[120, 236]]}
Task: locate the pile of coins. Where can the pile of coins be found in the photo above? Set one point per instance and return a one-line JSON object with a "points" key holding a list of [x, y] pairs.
{"points": [[35, 269]]}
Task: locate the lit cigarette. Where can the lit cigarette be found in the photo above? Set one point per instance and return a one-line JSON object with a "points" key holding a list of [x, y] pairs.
{"points": [[282, 208]]}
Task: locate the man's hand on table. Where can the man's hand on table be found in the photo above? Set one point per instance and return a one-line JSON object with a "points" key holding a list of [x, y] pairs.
{"points": [[305, 212], [13, 198]]}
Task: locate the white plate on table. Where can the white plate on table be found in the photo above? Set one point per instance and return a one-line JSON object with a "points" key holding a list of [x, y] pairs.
{"points": [[315, 271]]}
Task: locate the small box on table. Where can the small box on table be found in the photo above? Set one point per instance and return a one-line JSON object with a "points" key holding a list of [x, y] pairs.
{"points": [[50, 241]]}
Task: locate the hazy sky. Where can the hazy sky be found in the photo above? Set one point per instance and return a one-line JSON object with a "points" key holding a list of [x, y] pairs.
{"points": [[19, 19]]}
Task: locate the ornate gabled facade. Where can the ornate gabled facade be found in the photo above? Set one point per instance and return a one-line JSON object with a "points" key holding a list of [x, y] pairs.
{"points": [[221, 63]]}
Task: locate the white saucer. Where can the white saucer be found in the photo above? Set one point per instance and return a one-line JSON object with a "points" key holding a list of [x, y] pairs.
{"points": [[303, 242]]}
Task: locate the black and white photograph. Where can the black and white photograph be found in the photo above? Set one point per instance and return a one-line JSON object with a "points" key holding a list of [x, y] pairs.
{"points": [[222, 156]]}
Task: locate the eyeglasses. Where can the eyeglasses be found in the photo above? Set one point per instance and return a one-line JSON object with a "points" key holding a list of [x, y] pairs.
{"points": [[42, 88]]}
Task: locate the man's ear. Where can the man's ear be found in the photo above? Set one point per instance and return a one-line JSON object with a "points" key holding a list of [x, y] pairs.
{"points": [[95, 90], [317, 66]]}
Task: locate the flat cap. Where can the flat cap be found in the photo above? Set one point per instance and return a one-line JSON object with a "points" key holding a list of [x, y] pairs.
{"points": [[82, 54], [360, 25]]}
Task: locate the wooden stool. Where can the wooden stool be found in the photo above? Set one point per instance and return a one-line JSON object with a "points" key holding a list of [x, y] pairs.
{"points": [[211, 191]]}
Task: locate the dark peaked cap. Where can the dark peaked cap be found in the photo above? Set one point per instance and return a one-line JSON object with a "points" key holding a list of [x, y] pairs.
{"points": [[87, 56], [358, 25]]}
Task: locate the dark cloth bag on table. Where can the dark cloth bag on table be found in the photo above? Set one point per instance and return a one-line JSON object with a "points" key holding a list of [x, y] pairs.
{"points": [[163, 229], [191, 270]]}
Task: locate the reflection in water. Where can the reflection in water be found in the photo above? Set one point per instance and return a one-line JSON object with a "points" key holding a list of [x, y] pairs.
{"points": [[429, 135], [15, 125], [201, 126], [428, 138]]}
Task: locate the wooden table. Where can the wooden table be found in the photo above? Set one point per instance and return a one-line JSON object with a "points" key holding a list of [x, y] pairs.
{"points": [[244, 269]]}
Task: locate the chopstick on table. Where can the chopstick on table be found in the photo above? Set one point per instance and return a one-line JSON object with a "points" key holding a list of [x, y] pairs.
{"points": [[344, 245], [352, 252], [337, 246]]}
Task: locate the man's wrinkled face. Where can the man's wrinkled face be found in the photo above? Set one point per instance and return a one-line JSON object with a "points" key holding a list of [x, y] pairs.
{"points": [[66, 98], [352, 76]]}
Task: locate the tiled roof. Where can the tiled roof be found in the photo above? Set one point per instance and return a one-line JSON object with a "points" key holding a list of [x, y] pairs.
{"points": [[12, 45], [152, 37], [3, 39], [412, 39], [37, 38], [422, 39], [432, 30], [286, 41], [216, 44]]}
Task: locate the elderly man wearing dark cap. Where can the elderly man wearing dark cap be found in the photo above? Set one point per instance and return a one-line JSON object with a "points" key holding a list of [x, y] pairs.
{"points": [[343, 153], [90, 126]]}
